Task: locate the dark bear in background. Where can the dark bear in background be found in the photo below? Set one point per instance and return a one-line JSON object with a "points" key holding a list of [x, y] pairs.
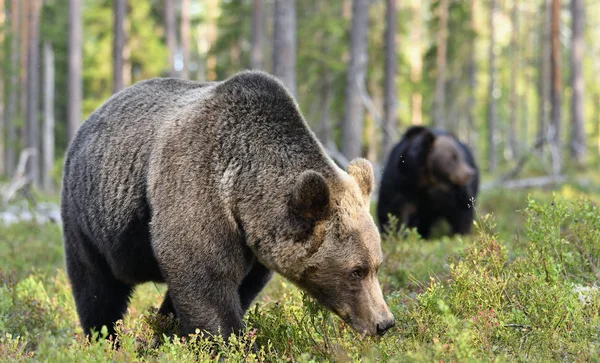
{"points": [[429, 175], [210, 187]]}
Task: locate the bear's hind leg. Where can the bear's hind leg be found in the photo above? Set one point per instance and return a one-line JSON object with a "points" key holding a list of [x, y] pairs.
{"points": [[100, 299]]}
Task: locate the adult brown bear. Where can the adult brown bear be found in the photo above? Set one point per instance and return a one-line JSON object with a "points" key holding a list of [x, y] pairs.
{"points": [[209, 187], [430, 175]]}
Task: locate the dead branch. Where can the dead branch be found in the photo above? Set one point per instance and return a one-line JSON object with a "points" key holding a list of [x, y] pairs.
{"points": [[526, 183], [370, 105], [21, 181]]}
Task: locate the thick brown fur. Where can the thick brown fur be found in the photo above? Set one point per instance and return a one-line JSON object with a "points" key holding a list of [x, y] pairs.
{"points": [[210, 187], [430, 175]]}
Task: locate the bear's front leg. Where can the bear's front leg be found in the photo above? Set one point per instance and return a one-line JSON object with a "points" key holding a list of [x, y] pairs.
{"points": [[203, 275]]}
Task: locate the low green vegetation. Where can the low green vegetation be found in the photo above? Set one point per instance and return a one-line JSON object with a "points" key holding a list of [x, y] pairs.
{"points": [[522, 287]]}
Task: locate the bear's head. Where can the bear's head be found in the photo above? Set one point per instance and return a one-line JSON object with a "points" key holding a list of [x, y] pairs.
{"points": [[445, 159], [342, 247]]}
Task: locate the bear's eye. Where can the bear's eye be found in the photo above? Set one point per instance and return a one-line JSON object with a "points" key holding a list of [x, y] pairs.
{"points": [[357, 273]]}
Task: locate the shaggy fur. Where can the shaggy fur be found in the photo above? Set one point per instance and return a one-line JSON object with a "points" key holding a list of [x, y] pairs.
{"points": [[210, 187], [430, 175]]}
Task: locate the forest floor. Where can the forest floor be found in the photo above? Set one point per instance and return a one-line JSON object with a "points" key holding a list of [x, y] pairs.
{"points": [[522, 287]]}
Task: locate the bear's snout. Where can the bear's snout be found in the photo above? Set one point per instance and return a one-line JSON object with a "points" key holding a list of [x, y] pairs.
{"points": [[385, 325]]}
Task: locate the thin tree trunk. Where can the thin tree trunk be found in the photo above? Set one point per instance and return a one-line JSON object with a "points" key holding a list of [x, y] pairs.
{"points": [[185, 38], [416, 60], [555, 86], [212, 11], [48, 135], [24, 48], [578, 147], [32, 117], [390, 103], [325, 129], [514, 106], [352, 125], [439, 101], [12, 109], [491, 92], [171, 35], [2, 98], [284, 43], [256, 38], [471, 134], [544, 77], [119, 9], [75, 65]]}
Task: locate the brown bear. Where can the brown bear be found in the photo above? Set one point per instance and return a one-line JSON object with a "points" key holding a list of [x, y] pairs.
{"points": [[429, 175], [210, 187]]}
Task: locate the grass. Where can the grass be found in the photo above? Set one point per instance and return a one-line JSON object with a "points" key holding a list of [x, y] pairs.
{"points": [[522, 287]]}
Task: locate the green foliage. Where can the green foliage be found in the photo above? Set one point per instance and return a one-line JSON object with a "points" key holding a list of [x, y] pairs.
{"points": [[523, 287]]}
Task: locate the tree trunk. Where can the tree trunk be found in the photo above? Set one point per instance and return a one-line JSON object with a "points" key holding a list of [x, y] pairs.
{"points": [[491, 92], [555, 78], [75, 65], [11, 108], [32, 116], [24, 68], [471, 134], [352, 125], [416, 60], [2, 98], [578, 146], [256, 38], [119, 9], [514, 106], [439, 101], [185, 38], [390, 103], [48, 134], [544, 75], [171, 35], [284, 43]]}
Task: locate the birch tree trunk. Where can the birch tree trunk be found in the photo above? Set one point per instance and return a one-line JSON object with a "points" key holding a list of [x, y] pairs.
{"points": [[555, 87], [514, 106], [416, 57], [48, 130]]}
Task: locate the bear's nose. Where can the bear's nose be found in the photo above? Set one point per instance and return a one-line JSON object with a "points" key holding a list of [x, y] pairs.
{"points": [[385, 326]]}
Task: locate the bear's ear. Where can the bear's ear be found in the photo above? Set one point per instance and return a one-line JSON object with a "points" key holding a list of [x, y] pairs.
{"points": [[362, 171], [310, 197], [425, 146]]}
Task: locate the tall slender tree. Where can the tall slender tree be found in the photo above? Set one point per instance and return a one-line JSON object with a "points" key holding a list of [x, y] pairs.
{"points": [[416, 60], [439, 100], [256, 38], [352, 124], [32, 115], [2, 98], [284, 43], [390, 102], [75, 64], [471, 69], [492, 90], [544, 72], [48, 129], [11, 107], [513, 86], [578, 145], [119, 9], [170, 34], [185, 38], [555, 84]]}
